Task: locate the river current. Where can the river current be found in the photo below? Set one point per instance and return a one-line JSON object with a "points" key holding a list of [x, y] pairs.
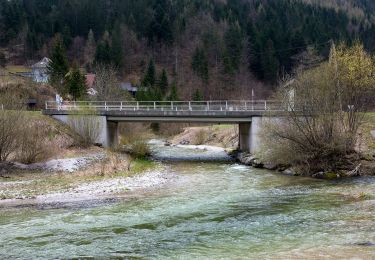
{"points": [[213, 210]]}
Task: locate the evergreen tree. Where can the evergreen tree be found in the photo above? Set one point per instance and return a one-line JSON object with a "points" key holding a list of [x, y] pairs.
{"points": [[199, 64], [141, 94], [90, 48], [173, 96], [163, 82], [117, 49], [75, 83], [149, 77], [160, 28], [233, 48], [270, 63], [103, 53], [66, 36], [58, 66], [197, 96], [3, 60]]}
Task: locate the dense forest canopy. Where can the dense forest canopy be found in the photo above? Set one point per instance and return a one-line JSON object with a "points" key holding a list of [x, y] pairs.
{"points": [[213, 45]]}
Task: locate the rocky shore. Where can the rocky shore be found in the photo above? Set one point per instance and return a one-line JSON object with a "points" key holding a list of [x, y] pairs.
{"points": [[364, 166]]}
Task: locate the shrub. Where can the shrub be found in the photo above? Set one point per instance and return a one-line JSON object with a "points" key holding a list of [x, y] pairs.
{"points": [[11, 123], [140, 149], [32, 146], [200, 137], [133, 138]]}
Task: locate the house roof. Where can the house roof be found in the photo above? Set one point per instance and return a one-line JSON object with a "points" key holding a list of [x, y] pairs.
{"points": [[42, 63], [128, 86]]}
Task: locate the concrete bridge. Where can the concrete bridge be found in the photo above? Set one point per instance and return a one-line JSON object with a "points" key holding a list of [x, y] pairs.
{"points": [[247, 114]]}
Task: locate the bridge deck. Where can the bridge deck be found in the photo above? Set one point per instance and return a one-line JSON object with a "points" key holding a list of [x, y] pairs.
{"points": [[168, 111]]}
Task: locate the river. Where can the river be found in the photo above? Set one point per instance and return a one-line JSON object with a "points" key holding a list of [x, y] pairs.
{"points": [[214, 209]]}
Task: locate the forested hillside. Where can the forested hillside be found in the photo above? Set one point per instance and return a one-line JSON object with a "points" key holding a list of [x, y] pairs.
{"points": [[209, 48]]}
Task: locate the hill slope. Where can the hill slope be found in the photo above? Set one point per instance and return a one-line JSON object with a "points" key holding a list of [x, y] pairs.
{"points": [[222, 48]]}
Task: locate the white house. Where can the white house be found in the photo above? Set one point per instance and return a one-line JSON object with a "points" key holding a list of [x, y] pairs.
{"points": [[40, 71]]}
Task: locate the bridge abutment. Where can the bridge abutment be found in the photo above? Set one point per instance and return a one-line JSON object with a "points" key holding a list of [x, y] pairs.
{"points": [[249, 135], [107, 132]]}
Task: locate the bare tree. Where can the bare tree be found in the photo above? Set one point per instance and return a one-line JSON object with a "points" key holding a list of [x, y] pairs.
{"points": [[107, 84], [11, 122], [32, 144], [326, 106]]}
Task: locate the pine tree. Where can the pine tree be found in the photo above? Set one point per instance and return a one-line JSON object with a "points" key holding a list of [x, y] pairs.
{"points": [[103, 53], [58, 66], [90, 48], [117, 49], [75, 83], [163, 82], [270, 63], [149, 78], [233, 48], [160, 28], [173, 96], [199, 64], [3, 60], [197, 96]]}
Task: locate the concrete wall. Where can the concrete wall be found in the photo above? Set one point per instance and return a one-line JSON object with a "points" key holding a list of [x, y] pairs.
{"points": [[244, 136], [249, 139], [108, 131], [256, 127]]}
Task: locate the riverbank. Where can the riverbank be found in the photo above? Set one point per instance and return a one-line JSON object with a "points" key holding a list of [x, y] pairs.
{"points": [[361, 163], [362, 166], [78, 178]]}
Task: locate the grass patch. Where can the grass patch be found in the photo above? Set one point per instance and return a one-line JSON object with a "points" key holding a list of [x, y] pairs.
{"points": [[220, 127], [18, 69]]}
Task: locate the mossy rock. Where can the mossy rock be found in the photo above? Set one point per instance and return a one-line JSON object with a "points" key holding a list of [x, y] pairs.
{"points": [[331, 175]]}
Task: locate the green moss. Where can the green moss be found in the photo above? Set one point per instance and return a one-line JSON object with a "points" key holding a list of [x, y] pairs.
{"points": [[330, 175]]}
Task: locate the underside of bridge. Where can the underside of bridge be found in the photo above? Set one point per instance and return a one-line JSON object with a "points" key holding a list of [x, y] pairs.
{"points": [[109, 131]]}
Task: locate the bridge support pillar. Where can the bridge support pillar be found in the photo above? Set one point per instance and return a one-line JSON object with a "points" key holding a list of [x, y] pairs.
{"points": [[249, 135], [112, 134], [244, 136]]}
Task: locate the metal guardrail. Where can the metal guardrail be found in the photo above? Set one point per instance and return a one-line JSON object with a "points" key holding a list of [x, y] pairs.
{"points": [[230, 105]]}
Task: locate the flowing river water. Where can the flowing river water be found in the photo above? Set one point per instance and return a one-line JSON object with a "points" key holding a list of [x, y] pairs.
{"points": [[214, 209]]}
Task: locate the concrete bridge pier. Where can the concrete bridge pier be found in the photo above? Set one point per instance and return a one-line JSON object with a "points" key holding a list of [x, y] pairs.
{"points": [[113, 136], [249, 135]]}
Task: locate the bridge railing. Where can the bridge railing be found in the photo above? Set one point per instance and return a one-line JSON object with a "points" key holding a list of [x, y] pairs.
{"points": [[230, 105]]}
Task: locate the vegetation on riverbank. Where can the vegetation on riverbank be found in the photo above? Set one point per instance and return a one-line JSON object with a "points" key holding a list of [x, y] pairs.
{"points": [[56, 141], [319, 135]]}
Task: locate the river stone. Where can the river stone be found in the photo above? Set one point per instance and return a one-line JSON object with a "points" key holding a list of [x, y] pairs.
{"points": [[257, 164], [289, 172], [270, 166], [318, 175], [368, 168], [249, 160]]}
